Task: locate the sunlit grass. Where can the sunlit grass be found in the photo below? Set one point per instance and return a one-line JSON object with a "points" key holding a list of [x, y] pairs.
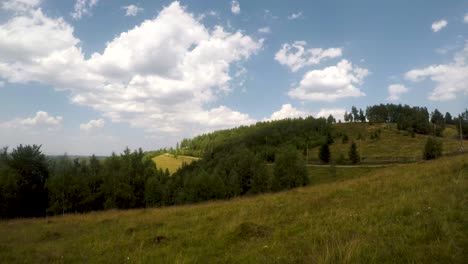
{"points": [[415, 213], [171, 162]]}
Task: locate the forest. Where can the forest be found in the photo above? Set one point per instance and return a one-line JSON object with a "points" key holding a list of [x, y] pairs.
{"points": [[265, 157]]}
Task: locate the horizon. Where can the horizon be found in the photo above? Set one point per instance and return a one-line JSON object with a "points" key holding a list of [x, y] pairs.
{"points": [[84, 77]]}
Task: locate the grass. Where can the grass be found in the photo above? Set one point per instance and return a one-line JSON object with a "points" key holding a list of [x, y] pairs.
{"points": [[320, 175], [171, 162], [414, 213], [392, 144]]}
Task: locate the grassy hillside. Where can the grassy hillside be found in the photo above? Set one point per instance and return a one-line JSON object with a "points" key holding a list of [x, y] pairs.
{"points": [[415, 213], [171, 162], [392, 144]]}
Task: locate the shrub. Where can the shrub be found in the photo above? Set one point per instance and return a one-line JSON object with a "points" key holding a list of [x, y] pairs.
{"points": [[345, 139], [324, 153], [353, 153], [432, 149]]}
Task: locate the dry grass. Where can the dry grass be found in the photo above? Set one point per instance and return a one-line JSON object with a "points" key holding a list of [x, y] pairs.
{"points": [[415, 213], [171, 162]]}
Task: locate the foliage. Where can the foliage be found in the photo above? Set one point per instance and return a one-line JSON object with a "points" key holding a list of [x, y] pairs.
{"points": [[23, 174], [353, 153], [416, 118], [324, 153], [345, 139], [432, 149], [289, 170]]}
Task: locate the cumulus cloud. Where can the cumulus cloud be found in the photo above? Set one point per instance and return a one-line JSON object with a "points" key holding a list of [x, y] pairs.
{"points": [[395, 91], [20, 5], [264, 30], [83, 7], [288, 111], [41, 121], [296, 56], [337, 113], [451, 78], [235, 7], [92, 125], [132, 10], [438, 25], [465, 19], [159, 76], [294, 16], [330, 83]]}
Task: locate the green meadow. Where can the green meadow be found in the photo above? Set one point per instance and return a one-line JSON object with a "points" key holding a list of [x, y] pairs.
{"points": [[412, 213]]}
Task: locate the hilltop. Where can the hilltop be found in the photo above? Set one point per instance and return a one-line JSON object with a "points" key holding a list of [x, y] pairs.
{"points": [[412, 213]]}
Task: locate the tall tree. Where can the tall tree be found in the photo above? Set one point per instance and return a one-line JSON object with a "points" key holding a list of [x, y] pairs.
{"points": [[353, 153], [331, 119], [31, 169], [355, 113], [438, 121], [324, 153], [362, 116], [448, 118]]}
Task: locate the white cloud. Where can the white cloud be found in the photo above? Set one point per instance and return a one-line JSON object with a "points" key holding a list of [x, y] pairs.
{"points": [[451, 79], [288, 111], [41, 121], [264, 30], [294, 16], [235, 7], [337, 113], [20, 5], [92, 125], [465, 19], [295, 56], [2, 84], [83, 7], [331, 83], [31, 37], [395, 91], [159, 76], [438, 25], [268, 15], [132, 10]]}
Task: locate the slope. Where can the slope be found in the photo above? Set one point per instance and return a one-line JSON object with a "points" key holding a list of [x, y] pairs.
{"points": [[414, 213]]}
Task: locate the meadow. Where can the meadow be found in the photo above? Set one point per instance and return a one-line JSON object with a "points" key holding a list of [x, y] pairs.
{"points": [[172, 162], [412, 213], [393, 145]]}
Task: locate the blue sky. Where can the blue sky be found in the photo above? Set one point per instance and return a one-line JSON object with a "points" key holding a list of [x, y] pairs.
{"points": [[95, 76]]}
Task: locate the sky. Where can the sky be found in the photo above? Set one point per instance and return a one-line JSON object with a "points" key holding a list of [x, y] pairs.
{"points": [[95, 76]]}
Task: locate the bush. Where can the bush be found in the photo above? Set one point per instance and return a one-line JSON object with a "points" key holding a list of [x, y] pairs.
{"points": [[289, 171], [432, 149], [341, 159], [353, 153], [345, 139], [324, 153]]}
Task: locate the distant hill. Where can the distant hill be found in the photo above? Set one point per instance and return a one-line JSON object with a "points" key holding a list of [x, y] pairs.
{"points": [[377, 143]]}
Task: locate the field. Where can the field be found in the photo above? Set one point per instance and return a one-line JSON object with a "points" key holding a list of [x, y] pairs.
{"points": [[413, 213], [171, 162], [392, 145]]}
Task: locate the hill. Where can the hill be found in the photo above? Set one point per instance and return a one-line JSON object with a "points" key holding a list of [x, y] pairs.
{"points": [[172, 162], [414, 213], [385, 143]]}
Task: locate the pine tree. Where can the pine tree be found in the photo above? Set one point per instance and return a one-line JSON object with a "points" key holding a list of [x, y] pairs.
{"points": [[324, 153], [353, 153]]}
